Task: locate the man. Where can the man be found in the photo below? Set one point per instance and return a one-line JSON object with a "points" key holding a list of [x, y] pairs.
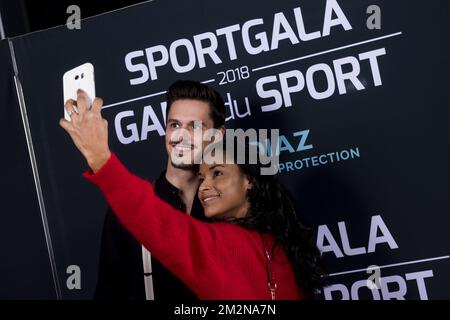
{"points": [[192, 108]]}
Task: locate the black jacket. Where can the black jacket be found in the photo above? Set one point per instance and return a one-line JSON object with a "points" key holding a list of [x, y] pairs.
{"points": [[121, 275]]}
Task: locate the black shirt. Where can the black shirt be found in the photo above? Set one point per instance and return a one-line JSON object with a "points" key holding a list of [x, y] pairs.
{"points": [[121, 273]]}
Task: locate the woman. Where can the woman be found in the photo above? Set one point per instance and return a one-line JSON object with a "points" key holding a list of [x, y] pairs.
{"points": [[255, 249], [239, 194]]}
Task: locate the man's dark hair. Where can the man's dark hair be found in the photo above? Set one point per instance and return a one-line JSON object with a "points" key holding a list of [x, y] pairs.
{"points": [[188, 89]]}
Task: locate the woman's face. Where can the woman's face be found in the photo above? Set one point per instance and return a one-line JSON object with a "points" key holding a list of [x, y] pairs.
{"points": [[223, 191]]}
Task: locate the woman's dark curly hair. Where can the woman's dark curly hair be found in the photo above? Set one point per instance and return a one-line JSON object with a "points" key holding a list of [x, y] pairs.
{"points": [[272, 210]]}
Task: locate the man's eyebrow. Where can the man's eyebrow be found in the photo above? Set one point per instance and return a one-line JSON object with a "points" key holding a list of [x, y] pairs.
{"points": [[200, 122], [189, 122], [215, 166]]}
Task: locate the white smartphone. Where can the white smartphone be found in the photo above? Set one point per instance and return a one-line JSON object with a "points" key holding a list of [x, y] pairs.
{"points": [[81, 77]]}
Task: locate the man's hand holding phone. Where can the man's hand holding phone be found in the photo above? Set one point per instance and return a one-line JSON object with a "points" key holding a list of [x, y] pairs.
{"points": [[88, 129]]}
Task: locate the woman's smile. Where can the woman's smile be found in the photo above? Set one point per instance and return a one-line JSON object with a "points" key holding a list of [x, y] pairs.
{"points": [[207, 199]]}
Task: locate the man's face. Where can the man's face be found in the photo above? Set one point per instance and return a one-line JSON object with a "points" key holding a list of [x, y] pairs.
{"points": [[186, 122]]}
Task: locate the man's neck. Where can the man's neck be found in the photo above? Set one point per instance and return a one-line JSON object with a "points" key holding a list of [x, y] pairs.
{"points": [[185, 180]]}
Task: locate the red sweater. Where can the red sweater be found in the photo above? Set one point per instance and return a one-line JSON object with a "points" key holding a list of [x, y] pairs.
{"points": [[216, 260]]}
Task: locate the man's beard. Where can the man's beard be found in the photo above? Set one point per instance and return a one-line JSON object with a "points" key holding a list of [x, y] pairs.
{"points": [[192, 164], [184, 166]]}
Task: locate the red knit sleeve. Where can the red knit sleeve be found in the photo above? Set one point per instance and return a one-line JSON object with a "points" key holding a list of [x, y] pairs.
{"points": [[186, 246]]}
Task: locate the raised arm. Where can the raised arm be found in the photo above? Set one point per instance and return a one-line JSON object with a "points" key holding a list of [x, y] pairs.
{"points": [[200, 254]]}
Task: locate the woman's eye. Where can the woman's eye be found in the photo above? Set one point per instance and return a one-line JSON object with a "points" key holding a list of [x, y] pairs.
{"points": [[217, 173]]}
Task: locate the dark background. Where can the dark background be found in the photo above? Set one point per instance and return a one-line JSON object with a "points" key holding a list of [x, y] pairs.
{"points": [[24, 262], [24, 16]]}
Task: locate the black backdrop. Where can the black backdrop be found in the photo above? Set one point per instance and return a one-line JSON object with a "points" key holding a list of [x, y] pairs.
{"points": [[25, 271], [385, 201]]}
